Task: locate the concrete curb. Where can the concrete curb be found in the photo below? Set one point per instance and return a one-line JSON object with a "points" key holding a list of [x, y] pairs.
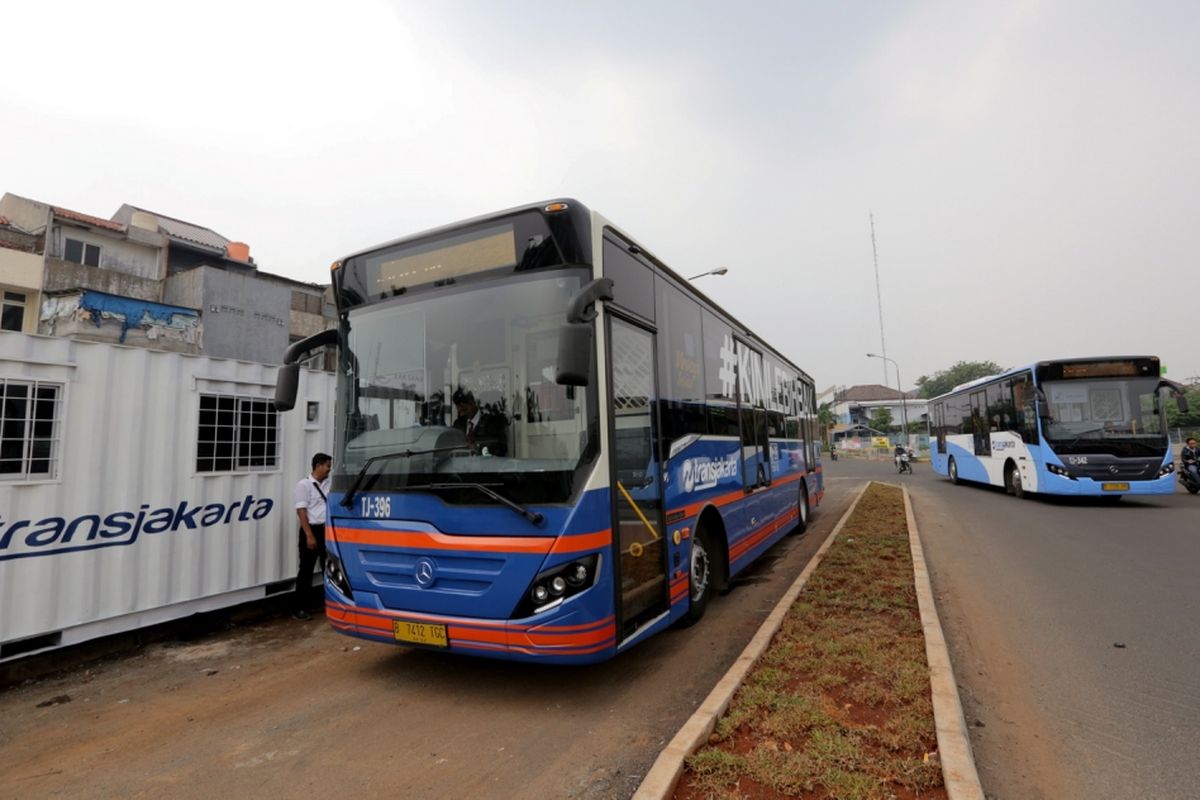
{"points": [[954, 743], [661, 780]]}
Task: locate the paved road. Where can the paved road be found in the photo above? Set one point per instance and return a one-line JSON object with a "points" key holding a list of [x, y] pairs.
{"points": [[284, 708], [1036, 595]]}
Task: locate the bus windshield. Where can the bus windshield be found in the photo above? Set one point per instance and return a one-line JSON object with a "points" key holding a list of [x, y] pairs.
{"points": [[459, 388], [1111, 415]]}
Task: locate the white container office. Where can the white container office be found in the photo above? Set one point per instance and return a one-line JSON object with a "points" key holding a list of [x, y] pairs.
{"points": [[139, 486]]}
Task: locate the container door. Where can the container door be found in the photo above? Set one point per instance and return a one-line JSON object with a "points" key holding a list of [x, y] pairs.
{"points": [[637, 486]]}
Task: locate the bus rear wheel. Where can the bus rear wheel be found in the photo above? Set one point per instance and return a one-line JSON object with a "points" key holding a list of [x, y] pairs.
{"points": [[700, 578], [802, 511], [952, 468]]}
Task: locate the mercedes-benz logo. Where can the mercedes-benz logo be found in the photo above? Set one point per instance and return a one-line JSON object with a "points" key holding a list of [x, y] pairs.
{"points": [[424, 573], [1113, 469]]}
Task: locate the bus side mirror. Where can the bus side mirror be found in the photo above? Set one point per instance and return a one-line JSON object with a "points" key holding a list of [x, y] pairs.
{"points": [[1182, 403], [285, 387], [288, 378], [574, 354], [575, 337]]}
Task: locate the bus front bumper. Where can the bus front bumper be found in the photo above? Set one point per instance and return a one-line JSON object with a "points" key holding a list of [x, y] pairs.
{"points": [[564, 635]]}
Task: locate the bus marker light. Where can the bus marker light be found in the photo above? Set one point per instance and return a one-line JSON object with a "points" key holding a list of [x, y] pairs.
{"points": [[678, 537], [555, 208], [577, 575]]}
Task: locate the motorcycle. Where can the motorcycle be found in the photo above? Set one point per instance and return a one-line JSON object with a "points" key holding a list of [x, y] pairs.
{"points": [[833, 455], [904, 462], [1188, 480]]}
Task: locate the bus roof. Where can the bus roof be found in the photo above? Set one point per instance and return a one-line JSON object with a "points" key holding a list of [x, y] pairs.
{"points": [[1033, 367]]}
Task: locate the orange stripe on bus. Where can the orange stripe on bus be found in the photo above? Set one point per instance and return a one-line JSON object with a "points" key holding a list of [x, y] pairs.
{"points": [[426, 540]]}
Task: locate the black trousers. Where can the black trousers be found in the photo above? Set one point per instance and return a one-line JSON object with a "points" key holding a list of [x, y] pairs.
{"points": [[308, 559]]}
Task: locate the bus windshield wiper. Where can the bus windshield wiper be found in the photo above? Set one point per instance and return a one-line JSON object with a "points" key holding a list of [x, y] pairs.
{"points": [[533, 516], [362, 473]]}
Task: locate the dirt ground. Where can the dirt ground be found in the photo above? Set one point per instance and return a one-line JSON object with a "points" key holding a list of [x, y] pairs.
{"points": [[282, 708]]}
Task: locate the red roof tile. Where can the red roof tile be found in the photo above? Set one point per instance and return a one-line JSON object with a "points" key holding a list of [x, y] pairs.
{"points": [[4, 221], [88, 219]]}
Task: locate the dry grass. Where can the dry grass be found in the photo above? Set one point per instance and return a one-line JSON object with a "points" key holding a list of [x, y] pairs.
{"points": [[839, 705]]}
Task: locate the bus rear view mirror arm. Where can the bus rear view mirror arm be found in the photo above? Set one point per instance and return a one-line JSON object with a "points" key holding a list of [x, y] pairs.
{"points": [[288, 379], [582, 305], [575, 336], [1178, 391]]}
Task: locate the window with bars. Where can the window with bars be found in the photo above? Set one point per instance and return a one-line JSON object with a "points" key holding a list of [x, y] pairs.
{"points": [[237, 434], [30, 429]]}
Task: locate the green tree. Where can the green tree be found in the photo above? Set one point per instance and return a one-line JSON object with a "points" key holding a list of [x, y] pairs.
{"points": [[881, 419], [825, 417], [944, 380], [1191, 419]]}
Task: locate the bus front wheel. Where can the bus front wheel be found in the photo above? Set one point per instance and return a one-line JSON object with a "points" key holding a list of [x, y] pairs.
{"points": [[953, 470], [1015, 487], [700, 578]]}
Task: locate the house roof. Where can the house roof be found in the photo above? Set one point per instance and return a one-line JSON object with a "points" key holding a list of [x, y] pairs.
{"points": [[4, 221], [187, 233], [87, 219], [869, 391]]}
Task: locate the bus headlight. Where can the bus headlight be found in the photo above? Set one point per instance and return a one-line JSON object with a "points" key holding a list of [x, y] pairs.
{"points": [[554, 585], [1055, 469], [1167, 470], [336, 575]]}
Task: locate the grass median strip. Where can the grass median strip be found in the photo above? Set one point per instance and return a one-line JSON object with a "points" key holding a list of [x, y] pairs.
{"points": [[839, 704]]}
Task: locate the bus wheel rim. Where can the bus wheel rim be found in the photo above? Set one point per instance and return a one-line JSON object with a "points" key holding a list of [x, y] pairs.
{"points": [[699, 570]]}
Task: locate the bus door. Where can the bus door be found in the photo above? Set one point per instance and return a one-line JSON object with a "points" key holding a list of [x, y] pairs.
{"points": [[641, 568], [979, 424]]}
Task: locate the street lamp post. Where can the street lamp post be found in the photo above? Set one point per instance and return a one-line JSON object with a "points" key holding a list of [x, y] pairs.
{"points": [[716, 271], [900, 386]]}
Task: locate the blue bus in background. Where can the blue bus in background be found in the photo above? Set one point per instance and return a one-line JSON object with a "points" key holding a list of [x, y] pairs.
{"points": [[642, 446], [1085, 426]]}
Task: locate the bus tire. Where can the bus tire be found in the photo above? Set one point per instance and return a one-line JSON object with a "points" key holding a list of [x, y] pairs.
{"points": [[802, 511], [701, 572], [1012, 481], [952, 471]]}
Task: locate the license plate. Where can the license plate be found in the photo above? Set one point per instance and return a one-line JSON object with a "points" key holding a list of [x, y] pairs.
{"points": [[1115, 487], [420, 633]]}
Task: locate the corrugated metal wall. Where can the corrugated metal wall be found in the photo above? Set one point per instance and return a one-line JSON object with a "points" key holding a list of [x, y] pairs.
{"points": [[128, 443]]}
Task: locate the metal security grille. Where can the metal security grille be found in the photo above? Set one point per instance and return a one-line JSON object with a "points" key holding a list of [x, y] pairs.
{"points": [[633, 370], [237, 434], [30, 429]]}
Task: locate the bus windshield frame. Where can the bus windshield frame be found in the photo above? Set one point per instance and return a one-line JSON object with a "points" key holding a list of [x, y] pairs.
{"points": [[414, 368]]}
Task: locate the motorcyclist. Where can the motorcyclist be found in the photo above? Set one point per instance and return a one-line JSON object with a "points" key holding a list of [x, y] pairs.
{"points": [[1189, 459], [900, 450]]}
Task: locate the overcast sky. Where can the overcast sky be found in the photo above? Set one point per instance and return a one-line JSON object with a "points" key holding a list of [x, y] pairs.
{"points": [[1032, 167]]}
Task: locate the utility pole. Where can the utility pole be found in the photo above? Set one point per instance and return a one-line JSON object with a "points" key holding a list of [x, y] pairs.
{"points": [[879, 300]]}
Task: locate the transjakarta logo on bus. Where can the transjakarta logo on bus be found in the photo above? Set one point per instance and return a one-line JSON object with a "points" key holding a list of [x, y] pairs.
{"points": [[25, 538], [704, 473]]}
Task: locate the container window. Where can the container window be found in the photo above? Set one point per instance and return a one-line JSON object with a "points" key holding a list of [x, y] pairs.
{"points": [[237, 434]]}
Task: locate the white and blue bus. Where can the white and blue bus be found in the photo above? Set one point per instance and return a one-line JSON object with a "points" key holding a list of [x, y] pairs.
{"points": [[1085, 426]]}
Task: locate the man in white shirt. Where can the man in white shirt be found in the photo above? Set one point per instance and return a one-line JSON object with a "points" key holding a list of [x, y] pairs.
{"points": [[309, 499]]}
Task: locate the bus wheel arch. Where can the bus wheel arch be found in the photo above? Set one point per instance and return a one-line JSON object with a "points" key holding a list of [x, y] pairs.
{"points": [[712, 527]]}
